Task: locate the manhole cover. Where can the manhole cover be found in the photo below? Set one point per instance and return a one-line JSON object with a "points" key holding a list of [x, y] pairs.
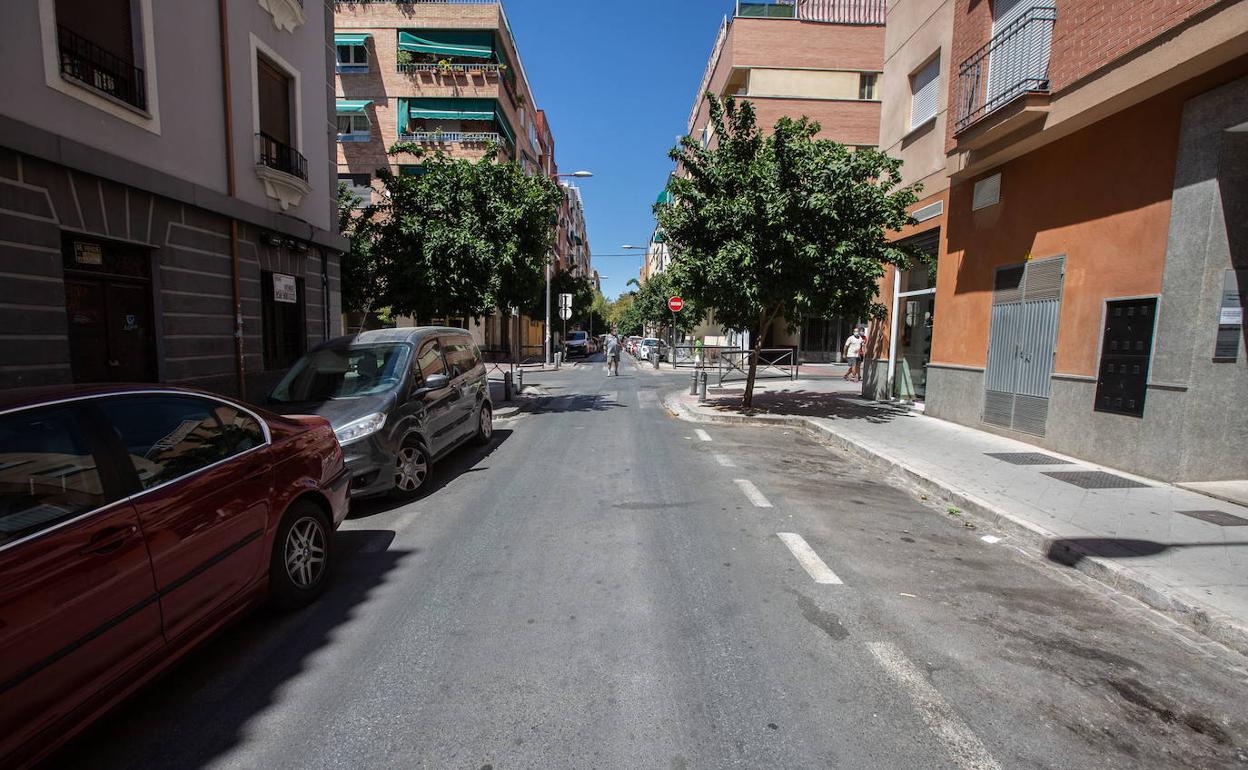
{"points": [[1094, 479], [1027, 458], [1221, 518]]}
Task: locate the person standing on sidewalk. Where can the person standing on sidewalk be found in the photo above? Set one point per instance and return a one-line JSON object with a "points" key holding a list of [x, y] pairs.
{"points": [[853, 353], [612, 346]]}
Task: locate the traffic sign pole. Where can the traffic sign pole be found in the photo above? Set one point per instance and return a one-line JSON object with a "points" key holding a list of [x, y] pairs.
{"points": [[675, 304]]}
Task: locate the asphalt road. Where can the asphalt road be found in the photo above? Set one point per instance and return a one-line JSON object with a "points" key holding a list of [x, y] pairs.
{"points": [[606, 586]]}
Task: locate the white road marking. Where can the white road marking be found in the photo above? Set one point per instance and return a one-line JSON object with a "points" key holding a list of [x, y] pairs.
{"points": [[809, 560], [991, 539], [967, 751], [702, 434], [752, 492], [724, 460]]}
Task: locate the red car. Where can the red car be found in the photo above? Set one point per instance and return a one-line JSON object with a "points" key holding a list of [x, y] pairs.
{"points": [[135, 522]]}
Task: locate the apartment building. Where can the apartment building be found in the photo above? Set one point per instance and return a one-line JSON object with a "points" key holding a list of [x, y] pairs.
{"points": [[1094, 264], [166, 185], [918, 42], [816, 58]]}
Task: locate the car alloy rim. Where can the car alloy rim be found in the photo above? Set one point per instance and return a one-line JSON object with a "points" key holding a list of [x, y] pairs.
{"points": [[487, 423], [410, 469], [305, 552]]}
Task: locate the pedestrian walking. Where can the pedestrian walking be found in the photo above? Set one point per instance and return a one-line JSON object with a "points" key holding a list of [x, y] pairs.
{"points": [[612, 346], [853, 353]]}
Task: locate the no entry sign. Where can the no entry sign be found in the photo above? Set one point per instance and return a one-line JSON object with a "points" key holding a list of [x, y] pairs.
{"points": [[676, 304]]}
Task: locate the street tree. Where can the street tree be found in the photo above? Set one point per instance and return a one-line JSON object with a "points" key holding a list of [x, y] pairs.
{"points": [[763, 227], [462, 238], [361, 281], [652, 307]]}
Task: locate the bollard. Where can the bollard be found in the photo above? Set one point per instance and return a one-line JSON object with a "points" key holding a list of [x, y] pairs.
{"points": [[506, 386], [520, 381], [654, 359], [693, 385], [702, 388], [558, 357]]}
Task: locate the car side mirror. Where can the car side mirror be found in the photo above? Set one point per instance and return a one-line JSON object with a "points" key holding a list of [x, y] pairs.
{"points": [[435, 382]]}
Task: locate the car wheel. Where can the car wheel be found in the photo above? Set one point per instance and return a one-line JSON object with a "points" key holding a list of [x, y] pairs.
{"points": [[485, 426], [302, 557], [412, 468]]}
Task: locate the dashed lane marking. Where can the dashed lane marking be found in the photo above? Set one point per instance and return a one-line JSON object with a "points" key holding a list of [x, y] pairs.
{"points": [[724, 460], [701, 434], [751, 491], [964, 747], [810, 561]]}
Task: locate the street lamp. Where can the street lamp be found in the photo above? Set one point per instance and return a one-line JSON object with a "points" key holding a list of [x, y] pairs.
{"points": [[577, 174], [550, 266]]}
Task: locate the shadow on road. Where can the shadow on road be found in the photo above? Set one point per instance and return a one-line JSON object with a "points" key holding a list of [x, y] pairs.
{"points": [[1070, 551], [805, 403], [200, 709]]}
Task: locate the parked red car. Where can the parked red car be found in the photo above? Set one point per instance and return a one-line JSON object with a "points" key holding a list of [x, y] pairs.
{"points": [[134, 523]]}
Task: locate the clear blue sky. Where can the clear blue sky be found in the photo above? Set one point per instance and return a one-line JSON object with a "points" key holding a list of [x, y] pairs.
{"points": [[617, 81]]}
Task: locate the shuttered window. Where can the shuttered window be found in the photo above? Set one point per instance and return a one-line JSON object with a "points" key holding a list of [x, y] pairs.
{"points": [[925, 93]]}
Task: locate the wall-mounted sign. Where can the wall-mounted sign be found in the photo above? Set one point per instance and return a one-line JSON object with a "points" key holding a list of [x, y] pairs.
{"points": [[88, 253], [285, 289]]}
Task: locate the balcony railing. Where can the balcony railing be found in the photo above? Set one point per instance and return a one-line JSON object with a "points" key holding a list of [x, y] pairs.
{"points": [[452, 137], [281, 157], [88, 63], [412, 69], [830, 11], [416, 2], [1014, 62]]}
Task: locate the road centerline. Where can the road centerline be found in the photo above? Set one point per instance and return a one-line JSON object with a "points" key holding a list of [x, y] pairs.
{"points": [[724, 460], [750, 491], [810, 561], [702, 435]]}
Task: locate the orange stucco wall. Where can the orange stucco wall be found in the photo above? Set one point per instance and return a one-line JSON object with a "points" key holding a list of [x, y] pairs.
{"points": [[1100, 196]]}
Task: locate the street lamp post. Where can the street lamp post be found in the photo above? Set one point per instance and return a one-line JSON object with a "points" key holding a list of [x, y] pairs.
{"points": [[550, 267]]}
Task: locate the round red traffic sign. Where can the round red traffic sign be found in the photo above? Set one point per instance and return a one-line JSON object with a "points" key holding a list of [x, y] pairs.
{"points": [[676, 304]]}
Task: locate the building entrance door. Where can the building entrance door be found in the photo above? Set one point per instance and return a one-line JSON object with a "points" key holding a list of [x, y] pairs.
{"points": [[1022, 342], [109, 304]]}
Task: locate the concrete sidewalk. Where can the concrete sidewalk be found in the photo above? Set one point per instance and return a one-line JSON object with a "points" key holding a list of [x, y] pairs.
{"points": [[1178, 551]]}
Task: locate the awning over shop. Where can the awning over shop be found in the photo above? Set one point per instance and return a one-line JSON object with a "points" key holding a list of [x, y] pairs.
{"points": [[351, 38], [351, 106], [474, 45]]}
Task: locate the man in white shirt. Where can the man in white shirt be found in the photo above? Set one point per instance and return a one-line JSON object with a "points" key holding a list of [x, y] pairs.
{"points": [[853, 353]]}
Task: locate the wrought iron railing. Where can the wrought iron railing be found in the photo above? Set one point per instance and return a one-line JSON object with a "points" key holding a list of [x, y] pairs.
{"points": [[831, 11], [88, 63], [451, 137], [449, 69], [1014, 62], [279, 156]]}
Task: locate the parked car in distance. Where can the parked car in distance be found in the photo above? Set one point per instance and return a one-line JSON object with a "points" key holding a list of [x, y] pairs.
{"points": [[633, 342], [652, 345], [578, 344], [399, 400], [136, 521]]}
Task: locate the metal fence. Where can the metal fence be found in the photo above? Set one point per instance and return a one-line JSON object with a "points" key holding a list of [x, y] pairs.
{"points": [[773, 364], [452, 137], [699, 356], [1014, 62]]}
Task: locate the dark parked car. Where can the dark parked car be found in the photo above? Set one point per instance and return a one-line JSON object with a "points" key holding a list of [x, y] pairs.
{"points": [[136, 521], [399, 399]]}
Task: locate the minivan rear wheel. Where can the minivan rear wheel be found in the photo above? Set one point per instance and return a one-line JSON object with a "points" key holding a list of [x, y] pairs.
{"points": [[485, 426], [412, 468]]}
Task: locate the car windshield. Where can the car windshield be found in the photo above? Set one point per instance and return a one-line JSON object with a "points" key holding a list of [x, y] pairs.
{"points": [[651, 342], [577, 336], [343, 372]]}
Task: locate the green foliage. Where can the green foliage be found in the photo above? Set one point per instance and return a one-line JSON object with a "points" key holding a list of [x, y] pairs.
{"points": [[786, 225], [651, 304], [462, 238], [585, 299], [361, 281]]}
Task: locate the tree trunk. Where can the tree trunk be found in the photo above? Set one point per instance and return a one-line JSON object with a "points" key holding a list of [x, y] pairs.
{"points": [[764, 322]]}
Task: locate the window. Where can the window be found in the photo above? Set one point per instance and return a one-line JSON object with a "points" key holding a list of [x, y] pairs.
{"points": [[1126, 350], [47, 472], [867, 88], [282, 319], [412, 170], [461, 355], [344, 372], [273, 87], [168, 437], [429, 362], [354, 128], [360, 185], [352, 58], [95, 40], [925, 93]]}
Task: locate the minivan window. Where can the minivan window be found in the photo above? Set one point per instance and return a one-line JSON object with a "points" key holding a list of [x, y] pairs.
{"points": [[47, 472], [577, 336], [343, 372], [460, 355], [168, 437], [430, 360]]}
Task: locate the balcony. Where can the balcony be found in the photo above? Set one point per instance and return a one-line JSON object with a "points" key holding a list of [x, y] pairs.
{"points": [[452, 137], [1014, 63], [283, 170], [85, 62], [491, 70], [828, 11]]}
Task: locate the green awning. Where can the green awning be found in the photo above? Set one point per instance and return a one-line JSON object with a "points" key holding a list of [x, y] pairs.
{"points": [[451, 109], [660, 237], [474, 45], [351, 38], [504, 127], [351, 106], [664, 197]]}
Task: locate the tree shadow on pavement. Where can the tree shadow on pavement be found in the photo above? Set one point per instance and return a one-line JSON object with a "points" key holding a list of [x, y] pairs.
{"points": [[201, 709], [578, 402], [1071, 551], [806, 403]]}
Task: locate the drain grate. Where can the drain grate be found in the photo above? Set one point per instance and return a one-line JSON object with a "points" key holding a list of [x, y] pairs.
{"points": [[1027, 458], [1094, 479], [1221, 518]]}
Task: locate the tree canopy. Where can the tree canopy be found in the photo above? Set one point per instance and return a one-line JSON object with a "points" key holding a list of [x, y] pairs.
{"points": [[461, 238], [785, 225]]}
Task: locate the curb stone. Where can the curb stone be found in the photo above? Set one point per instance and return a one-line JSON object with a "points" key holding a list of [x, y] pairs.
{"points": [[1036, 539]]}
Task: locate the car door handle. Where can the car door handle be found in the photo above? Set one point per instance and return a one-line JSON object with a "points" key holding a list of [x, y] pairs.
{"points": [[109, 540]]}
